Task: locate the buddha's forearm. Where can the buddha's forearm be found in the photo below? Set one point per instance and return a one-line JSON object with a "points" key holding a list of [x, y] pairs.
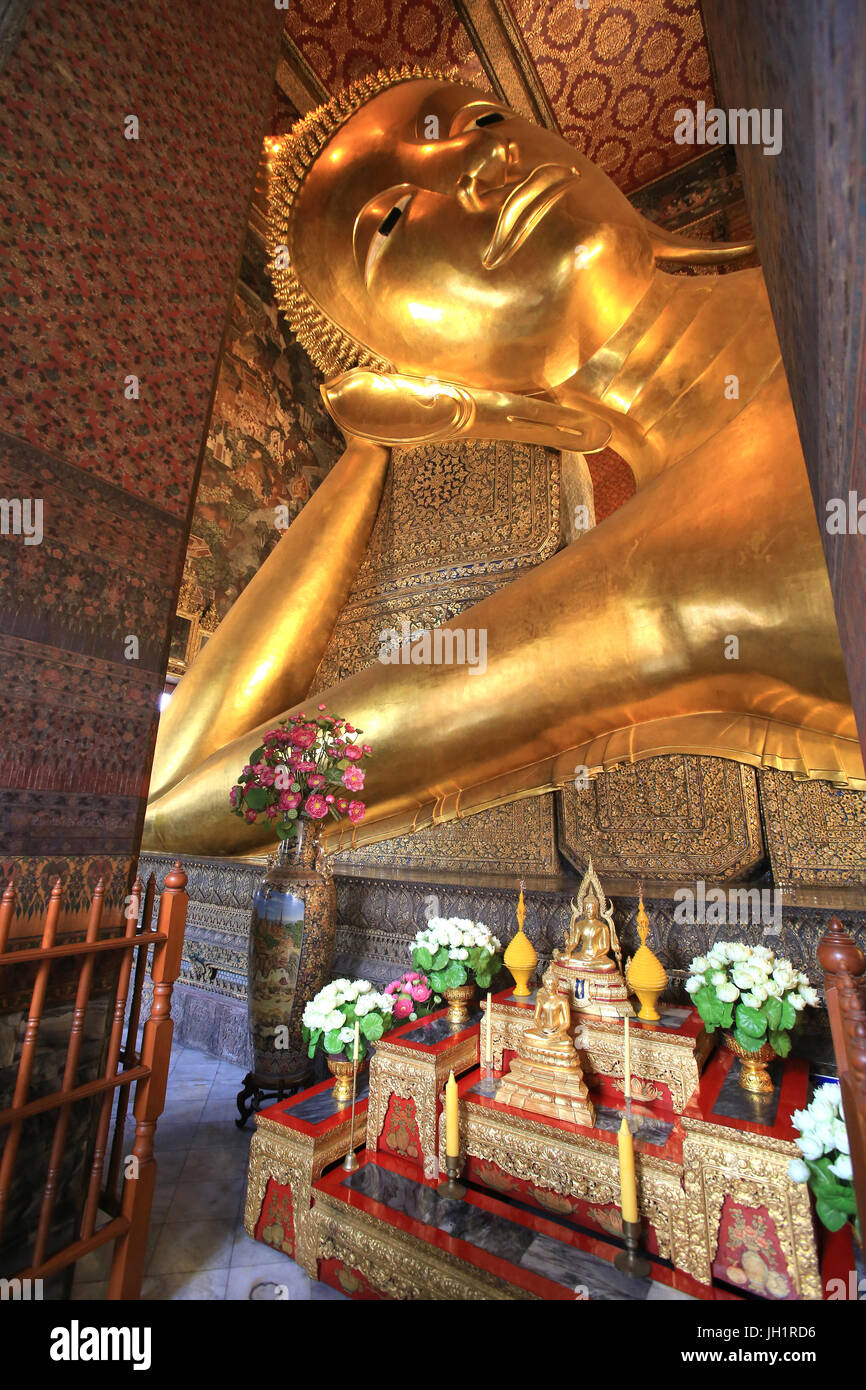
{"points": [[264, 655], [625, 630]]}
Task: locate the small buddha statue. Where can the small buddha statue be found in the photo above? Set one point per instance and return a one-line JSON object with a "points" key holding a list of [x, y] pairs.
{"points": [[589, 969], [588, 939], [546, 1076]]}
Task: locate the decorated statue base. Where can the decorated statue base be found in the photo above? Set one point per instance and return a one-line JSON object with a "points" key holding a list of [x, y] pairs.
{"points": [[547, 1090]]}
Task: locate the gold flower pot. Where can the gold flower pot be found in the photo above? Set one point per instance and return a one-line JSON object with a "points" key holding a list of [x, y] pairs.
{"points": [[341, 1070], [753, 1065], [459, 1002]]}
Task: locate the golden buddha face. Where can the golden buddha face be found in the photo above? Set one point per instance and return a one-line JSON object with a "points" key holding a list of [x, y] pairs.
{"points": [[440, 229]]}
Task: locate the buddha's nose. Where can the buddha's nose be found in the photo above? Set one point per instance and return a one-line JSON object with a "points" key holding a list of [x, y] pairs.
{"points": [[488, 169]]}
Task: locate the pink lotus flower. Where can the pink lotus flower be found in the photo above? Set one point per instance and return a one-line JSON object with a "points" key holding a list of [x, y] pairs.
{"points": [[342, 805], [329, 799], [304, 736], [316, 779], [301, 765], [316, 806], [402, 1008], [250, 816], [289, 801], [353, 778], [353, 752], [233, 795], [320, 706], [420, 992], [357, 810]]}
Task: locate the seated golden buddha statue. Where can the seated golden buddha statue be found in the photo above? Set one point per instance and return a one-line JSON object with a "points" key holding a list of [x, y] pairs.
{"points": [[590, 967], [546, 1076], [490, 282]]}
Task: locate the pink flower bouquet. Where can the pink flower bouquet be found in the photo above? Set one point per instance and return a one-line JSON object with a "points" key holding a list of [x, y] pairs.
{"points": [[303, 770], [413, 996]]}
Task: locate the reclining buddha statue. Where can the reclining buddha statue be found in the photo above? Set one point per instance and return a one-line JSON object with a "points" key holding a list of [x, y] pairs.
{"points": [[487, 281]]}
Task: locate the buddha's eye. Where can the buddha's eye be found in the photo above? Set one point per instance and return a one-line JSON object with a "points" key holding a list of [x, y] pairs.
{"points": [[382, 233], [490, 118]]}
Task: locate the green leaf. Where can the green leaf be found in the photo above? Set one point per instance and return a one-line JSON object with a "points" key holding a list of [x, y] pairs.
{"points": [[780, 1042], [372, 1026], [256, 756], [437, 980], [333, 1042], [772, 1011], [746, 1041], [440, 960], [285, 831], [314, 1042], [422, 959], [455, 975], [788, 1015], [256, 798], [751, 1022], [831, 1217]]}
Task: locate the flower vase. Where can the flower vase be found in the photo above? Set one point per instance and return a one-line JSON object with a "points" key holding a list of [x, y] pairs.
{"points": [[754, 1076], [291, 949], [459, 999], [341, 1069]]}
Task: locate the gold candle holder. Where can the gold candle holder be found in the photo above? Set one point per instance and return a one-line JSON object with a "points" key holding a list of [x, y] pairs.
{"points": [[451, 1187], [630, 1261]]}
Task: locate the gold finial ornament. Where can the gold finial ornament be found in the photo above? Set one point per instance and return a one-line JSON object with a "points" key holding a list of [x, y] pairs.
{"points": [[520, 956], [646, 975]]}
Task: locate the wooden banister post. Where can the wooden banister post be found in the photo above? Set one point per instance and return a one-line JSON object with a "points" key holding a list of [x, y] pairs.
{"points": [[844, 966], [128, 1263]]}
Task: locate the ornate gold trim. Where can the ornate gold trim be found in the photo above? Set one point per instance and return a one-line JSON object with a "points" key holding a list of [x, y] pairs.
{"points": [[417, 1076]]}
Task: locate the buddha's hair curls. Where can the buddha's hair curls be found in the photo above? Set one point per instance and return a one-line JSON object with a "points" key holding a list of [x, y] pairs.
{"points": [[331, 348]]}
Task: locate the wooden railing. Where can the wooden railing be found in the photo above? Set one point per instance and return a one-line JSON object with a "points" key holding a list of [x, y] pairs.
{"points": [[844, 966], [119, 1185]]}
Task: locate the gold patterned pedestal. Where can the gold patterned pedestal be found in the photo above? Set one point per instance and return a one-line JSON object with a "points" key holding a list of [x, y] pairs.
{"points": [[294, 1155], [751, 1169], [413, 1063], [674, 1057], [550, 1156]]}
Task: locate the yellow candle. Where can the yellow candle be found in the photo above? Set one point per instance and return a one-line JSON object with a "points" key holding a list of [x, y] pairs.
{"points": [[356, 1043], [627, 1182], [626, 1084], [488, 1060], [452, 1128]]}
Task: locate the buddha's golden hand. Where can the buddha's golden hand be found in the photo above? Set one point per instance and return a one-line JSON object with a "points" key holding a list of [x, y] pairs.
{"points": [[401, 410]]}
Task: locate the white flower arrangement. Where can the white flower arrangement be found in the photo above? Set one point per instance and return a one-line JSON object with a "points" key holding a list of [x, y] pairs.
{"points": [[329, 1017], [451, 950], [826, 1161], [768, 993]]}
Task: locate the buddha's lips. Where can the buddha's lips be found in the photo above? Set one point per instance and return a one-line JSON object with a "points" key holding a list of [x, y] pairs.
{"points": [[524, 208]]}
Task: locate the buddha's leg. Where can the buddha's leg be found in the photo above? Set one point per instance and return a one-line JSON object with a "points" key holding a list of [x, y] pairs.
{"points": [[265, 653], [619, 645]]}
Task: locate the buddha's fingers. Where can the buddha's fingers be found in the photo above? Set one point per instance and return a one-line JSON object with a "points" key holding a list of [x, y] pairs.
{"points": [[265, 652]]}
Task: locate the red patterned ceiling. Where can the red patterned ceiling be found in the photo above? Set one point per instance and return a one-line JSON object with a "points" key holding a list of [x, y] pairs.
{"points": [[345, 39], [613, 74]]}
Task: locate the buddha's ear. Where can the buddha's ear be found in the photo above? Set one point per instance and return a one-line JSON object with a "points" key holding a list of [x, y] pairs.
{"points": [[672, 246], [400, 410]]}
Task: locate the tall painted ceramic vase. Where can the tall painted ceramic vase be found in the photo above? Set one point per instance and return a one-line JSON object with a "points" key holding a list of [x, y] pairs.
{"points": [[291, 949]]}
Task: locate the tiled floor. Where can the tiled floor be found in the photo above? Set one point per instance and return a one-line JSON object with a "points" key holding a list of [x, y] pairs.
{"points": [[198, 1248]]}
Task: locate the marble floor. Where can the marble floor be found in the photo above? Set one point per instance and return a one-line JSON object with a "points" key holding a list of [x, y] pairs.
{"points": [[198, 1248]]}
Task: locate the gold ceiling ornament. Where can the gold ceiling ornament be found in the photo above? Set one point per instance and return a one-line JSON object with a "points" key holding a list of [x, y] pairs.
{"points": [[330, 347]]}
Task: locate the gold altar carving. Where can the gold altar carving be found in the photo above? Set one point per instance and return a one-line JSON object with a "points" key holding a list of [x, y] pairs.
{"points": [[294, 1160], [816, 833], [580, 1167], [516, 838], [415, 1075], [666, 818], [752, 1168], [546, 1076], [576, 339], [663, 1057], [397, 1264]]}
